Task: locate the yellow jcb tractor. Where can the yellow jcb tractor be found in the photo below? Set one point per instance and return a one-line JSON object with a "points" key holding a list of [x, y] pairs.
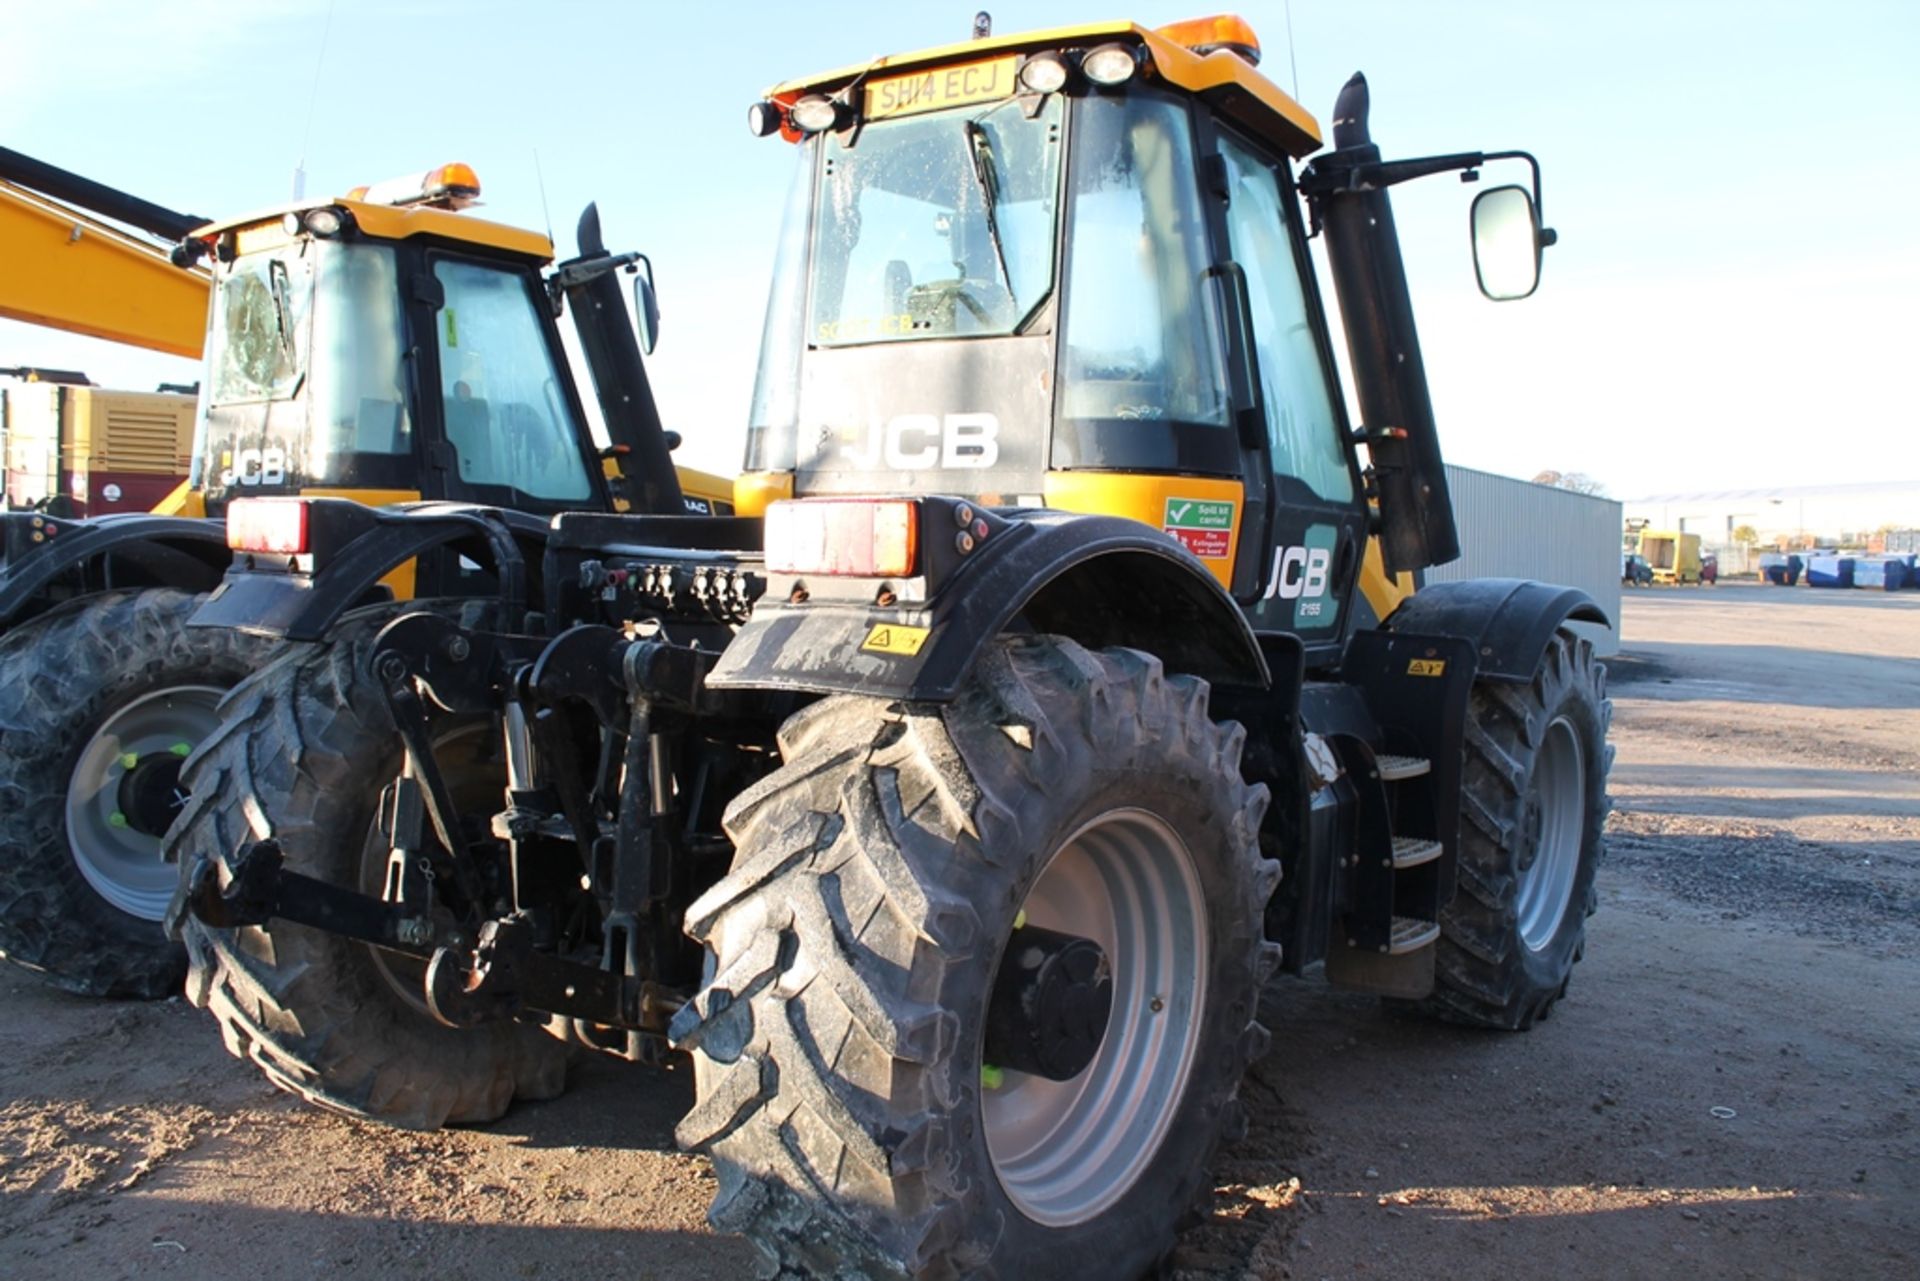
{"points": [[386, 348], [952, 815]]}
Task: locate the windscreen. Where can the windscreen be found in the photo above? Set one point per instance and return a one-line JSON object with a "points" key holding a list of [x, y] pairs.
{"points": [[306, 374], [936, 226]]}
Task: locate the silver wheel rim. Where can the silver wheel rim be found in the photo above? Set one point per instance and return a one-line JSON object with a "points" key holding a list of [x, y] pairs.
{"points": [[121, 862], [1066, 1150], [1556, 819]]}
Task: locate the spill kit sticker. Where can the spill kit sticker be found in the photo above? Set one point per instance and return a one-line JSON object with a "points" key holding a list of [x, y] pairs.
{"points": [[1203, 528]]}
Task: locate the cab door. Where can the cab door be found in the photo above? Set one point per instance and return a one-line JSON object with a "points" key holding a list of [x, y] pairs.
{"points": [[1302, 581]]}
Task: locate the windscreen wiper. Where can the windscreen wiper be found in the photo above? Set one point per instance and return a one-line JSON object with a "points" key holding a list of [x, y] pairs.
{"points": [[280, 287], [981, 149]]}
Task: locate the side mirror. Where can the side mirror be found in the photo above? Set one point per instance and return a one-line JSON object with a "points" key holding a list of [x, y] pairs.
{"points": [[1507, 240], [646, 304]]}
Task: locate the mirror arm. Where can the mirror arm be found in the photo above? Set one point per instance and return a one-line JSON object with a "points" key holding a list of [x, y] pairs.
{"points": [[1328, 174], [576, 272]]}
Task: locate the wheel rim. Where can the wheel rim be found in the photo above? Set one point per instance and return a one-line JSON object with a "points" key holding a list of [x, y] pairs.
{"points": [[1555, 827], [125, 789], [1066, 1150]]}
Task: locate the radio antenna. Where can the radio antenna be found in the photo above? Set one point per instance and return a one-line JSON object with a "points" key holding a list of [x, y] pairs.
{"points": [[1292, 61], [313, 102], [540, 181]]}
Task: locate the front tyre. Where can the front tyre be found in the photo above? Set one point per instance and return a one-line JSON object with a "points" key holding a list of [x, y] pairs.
{"points": [[1534, 801], [845, 1039], [101, 701]]}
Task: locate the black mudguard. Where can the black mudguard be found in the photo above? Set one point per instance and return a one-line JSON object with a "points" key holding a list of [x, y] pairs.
{"points": [[188, 552], [1508, 620], [304, 606], [1100, 580]]}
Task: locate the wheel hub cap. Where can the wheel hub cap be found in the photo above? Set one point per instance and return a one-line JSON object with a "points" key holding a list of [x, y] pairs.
{"points": [[124, 791], [1050, 1004]]}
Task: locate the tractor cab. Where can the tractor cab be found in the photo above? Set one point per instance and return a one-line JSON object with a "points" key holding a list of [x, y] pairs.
{"points": [[1069, 269], [387, 347]]}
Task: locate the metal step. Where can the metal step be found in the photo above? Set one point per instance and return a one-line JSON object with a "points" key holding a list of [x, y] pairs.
{"points": [[1393, 768], [1412, 851], [1410, 935]]}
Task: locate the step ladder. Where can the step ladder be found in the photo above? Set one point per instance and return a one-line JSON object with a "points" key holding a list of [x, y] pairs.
{"points": [[1392, 926]]}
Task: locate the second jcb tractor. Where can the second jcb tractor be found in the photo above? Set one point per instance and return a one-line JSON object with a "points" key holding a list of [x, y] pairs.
{"points": [[385, 347]]}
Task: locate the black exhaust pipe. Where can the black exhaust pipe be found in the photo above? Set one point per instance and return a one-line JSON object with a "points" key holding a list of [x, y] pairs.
{"points": [[1376, 309], [620, 376]]}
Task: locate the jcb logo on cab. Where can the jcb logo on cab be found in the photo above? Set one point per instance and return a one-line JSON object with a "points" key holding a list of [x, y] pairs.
{"points": [[918, 442], [256, 467]]}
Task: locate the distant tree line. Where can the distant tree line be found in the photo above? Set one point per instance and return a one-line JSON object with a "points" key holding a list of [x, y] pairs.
{"points": [[1577, 481]]}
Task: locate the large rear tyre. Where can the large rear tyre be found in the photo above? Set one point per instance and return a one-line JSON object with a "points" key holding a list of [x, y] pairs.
{"points": [[101, 700], [302, 756], [845, 1087], [1533, 805]]}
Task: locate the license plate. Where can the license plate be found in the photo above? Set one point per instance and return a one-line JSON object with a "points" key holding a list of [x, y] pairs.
{"points": [[941, 87]]}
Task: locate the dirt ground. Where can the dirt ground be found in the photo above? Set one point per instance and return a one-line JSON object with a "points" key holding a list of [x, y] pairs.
{"points": [[1730, 1090]]}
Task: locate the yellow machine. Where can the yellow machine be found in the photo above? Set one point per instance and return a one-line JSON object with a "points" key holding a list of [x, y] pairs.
{"points": [[1673, 555], [74, 449]]}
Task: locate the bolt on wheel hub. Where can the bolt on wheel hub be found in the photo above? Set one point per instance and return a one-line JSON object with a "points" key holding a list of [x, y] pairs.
{"points": [[1050, 1004]]}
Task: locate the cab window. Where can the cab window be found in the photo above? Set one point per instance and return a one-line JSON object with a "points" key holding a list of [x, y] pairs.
{"points": [[1293, 382], [506, 415], [1140, 341]]}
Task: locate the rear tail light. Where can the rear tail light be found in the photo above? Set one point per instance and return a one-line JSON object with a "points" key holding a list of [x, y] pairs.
{"points": [[271, 526], [865, 539]]}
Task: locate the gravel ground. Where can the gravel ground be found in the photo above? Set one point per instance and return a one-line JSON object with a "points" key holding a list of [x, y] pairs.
{"points": [[1729, 1091]]}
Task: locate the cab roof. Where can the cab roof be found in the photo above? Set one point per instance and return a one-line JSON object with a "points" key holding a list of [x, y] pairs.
{"points": [[1222, 78], [402, 222]]}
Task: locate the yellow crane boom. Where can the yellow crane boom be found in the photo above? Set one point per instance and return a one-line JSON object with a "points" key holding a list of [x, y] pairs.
{"points": [[70, 270]]}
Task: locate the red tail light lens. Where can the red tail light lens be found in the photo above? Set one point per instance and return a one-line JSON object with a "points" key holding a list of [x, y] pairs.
{"points": [[271, 526], [863, 539]]}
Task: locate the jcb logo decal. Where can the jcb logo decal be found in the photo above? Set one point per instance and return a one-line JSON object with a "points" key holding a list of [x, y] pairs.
{"points": [[255, 467], [1297, 572], [1301, 582], [918, 442]]}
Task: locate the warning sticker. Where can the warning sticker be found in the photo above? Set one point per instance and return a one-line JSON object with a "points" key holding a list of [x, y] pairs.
{"points": [[1427, 667], [1202, 527], [891, 638]]}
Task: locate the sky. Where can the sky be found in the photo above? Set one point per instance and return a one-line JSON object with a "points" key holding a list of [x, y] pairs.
{"points": [[1734, 300]]}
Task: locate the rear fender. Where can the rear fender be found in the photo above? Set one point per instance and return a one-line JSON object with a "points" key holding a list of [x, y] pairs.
{"points": [[1100, 580], [304, 606], [135, 549], [1509, 621]]}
